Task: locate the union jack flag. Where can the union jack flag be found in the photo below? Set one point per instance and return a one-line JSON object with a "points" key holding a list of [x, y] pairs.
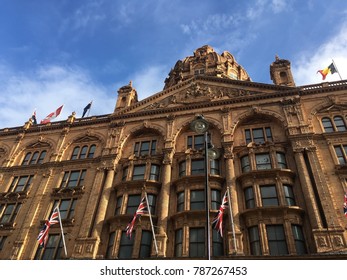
{"points": [[217, 222], [142, 209], [43, 235], [345, 205]]}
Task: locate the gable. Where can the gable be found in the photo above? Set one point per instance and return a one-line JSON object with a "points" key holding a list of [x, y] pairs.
{"points": [[201, 89]]}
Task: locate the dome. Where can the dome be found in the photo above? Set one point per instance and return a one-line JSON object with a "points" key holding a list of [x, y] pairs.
{"points": [[205, 61]]}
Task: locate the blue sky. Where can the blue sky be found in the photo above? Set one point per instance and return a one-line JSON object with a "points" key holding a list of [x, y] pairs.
{"points": [[71, 52]]}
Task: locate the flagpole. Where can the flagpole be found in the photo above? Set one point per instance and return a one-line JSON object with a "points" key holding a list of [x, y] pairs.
{"points": [[232, 220], [62, 231], [150, 218], [336, 69]]}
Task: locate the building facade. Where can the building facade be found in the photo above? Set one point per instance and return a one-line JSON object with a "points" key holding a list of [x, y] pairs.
{"points": [[282, 158]]}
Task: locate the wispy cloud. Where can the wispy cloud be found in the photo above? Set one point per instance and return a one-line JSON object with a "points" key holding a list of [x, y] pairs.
{"points": [[305, 69], [45, 89]]}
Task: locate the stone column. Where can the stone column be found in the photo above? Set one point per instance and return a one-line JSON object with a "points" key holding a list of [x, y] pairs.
{"points": [[306, 186], [88, 246], [231, 186], [163, 206]]}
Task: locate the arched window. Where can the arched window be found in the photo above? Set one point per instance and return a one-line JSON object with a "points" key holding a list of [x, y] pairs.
{"points": [[327, 124], [339, 123]]}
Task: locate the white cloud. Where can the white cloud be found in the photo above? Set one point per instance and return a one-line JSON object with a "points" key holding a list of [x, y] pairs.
{"points": [[150, 80], [45, 89], [305, 70]]}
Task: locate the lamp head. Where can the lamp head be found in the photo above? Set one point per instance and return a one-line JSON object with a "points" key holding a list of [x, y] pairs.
{"points": [[199, 125]]}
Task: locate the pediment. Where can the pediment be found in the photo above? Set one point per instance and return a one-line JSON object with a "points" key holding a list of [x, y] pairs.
{"points": [[39, 145], [200, 90], [86, 138], [333, 108]]}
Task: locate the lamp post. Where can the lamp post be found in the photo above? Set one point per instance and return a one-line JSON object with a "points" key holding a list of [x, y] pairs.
{"points": [[201, 126]]}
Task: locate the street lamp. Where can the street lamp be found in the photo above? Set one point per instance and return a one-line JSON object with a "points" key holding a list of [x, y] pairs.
{"points": [[201, 126]]}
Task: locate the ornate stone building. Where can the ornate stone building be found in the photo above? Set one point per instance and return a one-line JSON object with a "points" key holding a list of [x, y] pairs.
{"points": [[282, 157]]}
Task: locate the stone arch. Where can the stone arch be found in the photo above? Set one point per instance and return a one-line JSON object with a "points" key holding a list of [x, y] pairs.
{"points": [[41, 143], [254, 112], [83, 137], [214, 123], [145, 127]]}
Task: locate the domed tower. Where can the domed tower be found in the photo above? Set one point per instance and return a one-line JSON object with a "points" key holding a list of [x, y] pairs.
{"points": [[281, 73], [205, 61], [127, 96]]}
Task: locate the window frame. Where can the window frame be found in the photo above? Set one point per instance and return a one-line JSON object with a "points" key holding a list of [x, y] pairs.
{"points": [[66, 181], [197, 244]]}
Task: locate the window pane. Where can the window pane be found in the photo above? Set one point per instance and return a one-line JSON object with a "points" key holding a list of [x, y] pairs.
{"points": [[118, 205], [276, 240], [154, 175], [299, 240], [339, 123], [289, 195], [258, 135], [144, 148], [245, 164], [91, 151], [248, 136], [215, 199], [254, 240], [196, 242], [217, 244], [83, 152], [146, 243], [249, 198], [110, 245], [340, 155], [182, 168], [178, 242], [197, 200], [281, 160], [42, 157], [133, 204], [126, 246], [263, 161], [26, 159], [328, 126], [214, 167], [180, 201], [75, 153], [198, 166], [139, 172], [268, 134], [198, 142], [269, 195]]}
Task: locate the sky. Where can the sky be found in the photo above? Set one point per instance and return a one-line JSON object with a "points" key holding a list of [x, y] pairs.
{"points": [[69, 53]]}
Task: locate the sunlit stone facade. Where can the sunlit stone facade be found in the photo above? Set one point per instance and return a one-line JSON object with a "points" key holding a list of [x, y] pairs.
{"points": [[283, 155]]}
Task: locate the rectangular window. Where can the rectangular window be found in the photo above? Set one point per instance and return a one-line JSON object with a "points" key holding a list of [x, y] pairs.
{"points": [[118, 205], [182, 169], [110, 244], [269, 195], [178, 242], [154, 174], [2, 242], [180, 201], [152, 200], [276, 240], [245, 164], [215, 199], [254, 240], [144, 148], [299, 240], [217, 244], [73, 179], [21, 183], [196, 242], [126, 246], [198, 166], [125, 173], [139, 172], [9, 212], [263, 161], [341, 152], [66, 208], [258, 135], [146, 244], [289, 195], [249, 198], [214, 167], [197, 200], [133, 203], [281, 160], [53, 249], [196, 142]]}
